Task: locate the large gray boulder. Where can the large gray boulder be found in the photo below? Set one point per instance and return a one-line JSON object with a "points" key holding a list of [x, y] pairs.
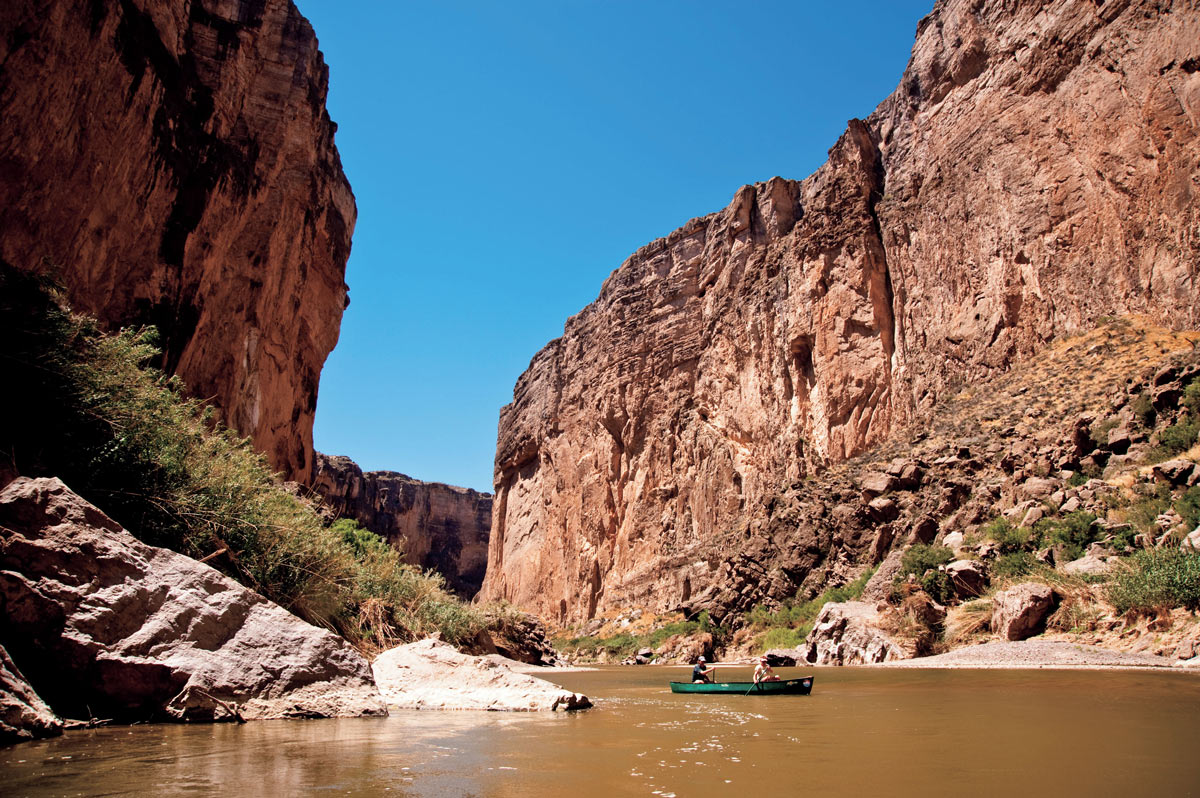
{"points": [[1021, 611], [851, 633], [100, 621], [23, 715], [430, 674]]}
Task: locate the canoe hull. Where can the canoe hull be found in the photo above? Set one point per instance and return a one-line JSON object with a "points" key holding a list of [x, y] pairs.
{"points": [[801, 686]]}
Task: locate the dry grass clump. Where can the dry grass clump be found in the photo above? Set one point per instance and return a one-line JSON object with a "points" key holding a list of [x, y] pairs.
{"points": [[968, 621]]}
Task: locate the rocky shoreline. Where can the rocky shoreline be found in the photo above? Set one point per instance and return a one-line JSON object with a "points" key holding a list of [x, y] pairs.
{"points": [[1044, 654]]}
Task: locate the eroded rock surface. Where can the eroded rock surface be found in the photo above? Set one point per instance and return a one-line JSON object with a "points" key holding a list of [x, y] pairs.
{"points": [[430, 674], [1035, 170], [176, 161], [438, 527], [23, 715], [851, 633], [104, 625]]}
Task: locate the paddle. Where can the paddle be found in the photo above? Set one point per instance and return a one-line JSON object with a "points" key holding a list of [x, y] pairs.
{"points": [[752, 688]]}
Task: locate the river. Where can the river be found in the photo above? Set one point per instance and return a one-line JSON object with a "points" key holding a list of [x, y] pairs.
{"points": [[863, 731]]}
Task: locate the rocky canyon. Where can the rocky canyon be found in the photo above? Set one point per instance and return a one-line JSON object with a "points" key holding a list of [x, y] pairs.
{"points": [[1036, 169], [438, 527], [172, 163]]}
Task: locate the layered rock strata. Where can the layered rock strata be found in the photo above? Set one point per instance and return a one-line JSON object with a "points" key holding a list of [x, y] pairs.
{"points": [[1036, 169], [438, 527], [174, 163], [105, 626]]}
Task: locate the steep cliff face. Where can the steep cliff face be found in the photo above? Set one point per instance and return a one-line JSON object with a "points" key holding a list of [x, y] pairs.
{"points": [[1036, 169], [175, 159], [439, 527]]}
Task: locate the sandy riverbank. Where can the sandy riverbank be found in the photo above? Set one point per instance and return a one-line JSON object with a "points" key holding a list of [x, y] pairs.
{"points": [[1041, 654]]}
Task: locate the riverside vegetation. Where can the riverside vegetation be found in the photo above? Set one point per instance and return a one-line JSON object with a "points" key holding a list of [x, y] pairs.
{"points": [[91, 408]]}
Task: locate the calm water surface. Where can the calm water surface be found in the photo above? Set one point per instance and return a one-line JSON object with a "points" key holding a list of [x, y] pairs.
{"points": [[861, 732]]}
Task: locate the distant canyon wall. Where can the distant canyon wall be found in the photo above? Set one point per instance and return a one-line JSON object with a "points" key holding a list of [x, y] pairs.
{"points": [[439, 527], [1036, 169], [176, 161]]}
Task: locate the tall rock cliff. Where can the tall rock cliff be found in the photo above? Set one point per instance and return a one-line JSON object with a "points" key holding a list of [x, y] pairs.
{"points": [[1037, 168], [176, 161], [439, 527]]}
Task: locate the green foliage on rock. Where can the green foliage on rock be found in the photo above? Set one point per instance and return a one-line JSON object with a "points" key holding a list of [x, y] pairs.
{"points": [[92, 410], [1070, 535], [793, 620], [1009, 538]]}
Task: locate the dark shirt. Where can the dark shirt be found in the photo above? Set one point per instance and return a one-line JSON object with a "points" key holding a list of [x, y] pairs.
{"points": [[698, 674]]}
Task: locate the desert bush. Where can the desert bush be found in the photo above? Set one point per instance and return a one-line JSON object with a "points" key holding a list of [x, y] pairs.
{"points": [[1015, 564], [1179, 437], [1143, 410], [967, 621], [93, 411], [1071, 535], [1099, 432], [1157, 579], [1009, 538], [923, 557], [1188, 507], [783, 638], [795, 620]]}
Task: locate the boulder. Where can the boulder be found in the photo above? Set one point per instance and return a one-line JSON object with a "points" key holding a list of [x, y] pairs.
{"points": [[1069, 506], [23, 715], [1021, 611], [430, 674], [969, 578], [1038, 487], [876, 484], [879, 586], [883, 509], [782, 657], [850, 633], [99, 620], [686, 648], [1089, 564], [1173, 472], [923, 530], [953, 541]]}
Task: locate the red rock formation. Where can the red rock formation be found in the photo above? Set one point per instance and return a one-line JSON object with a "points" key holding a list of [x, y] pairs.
{"points": [[175, 159], [1037, 168], [439, 527]]}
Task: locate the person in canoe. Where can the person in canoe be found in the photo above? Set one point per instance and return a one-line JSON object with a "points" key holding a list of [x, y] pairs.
{"points": [[701, 673], [763, 672]]}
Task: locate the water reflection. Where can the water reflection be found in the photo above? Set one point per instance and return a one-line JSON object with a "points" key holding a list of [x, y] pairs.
{"points": [[862, 731]]}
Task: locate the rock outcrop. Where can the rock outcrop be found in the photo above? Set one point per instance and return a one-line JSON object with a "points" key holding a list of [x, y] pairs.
{"points": [[23, 715], [175, 160], [102, 624], [438, 527], [1035, 170], [851, 633], [430, 674]]}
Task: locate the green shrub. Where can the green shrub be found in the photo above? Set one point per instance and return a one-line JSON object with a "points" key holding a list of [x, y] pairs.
{"points": [[1143, 512], [1077, 479], [1191, 397], [92, 411], [1099, 432], [783, 638], [1015, 564], [1144, 410], [1009, 538], [1157, 579], [1179, 437], [795, 621], [937, 584], [1188, 506], [1071, 535], [922, 557]]}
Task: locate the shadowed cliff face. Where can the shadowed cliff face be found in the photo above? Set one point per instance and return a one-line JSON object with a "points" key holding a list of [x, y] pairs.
{"points": [[438, 527], [1035, 170], [176, 161]]}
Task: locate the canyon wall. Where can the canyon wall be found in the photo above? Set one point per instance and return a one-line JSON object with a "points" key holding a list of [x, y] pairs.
{"points": [[438, 527], [1036, 169], [174, 163]]}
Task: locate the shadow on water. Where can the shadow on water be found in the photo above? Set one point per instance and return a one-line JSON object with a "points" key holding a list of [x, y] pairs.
{"points": [[862, 731]]}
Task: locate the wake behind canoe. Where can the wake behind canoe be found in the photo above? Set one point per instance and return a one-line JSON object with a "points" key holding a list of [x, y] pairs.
{"points": [[802, 686]]}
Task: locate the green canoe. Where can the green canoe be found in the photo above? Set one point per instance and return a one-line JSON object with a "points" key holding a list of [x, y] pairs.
{"points": [[801, 686]]}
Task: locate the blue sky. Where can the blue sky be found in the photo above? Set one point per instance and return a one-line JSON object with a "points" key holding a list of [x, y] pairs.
{"points": [[507, 156]]}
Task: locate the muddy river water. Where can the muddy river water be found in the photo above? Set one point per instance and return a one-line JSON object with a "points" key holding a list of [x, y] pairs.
{"points": [[861, 732]]}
